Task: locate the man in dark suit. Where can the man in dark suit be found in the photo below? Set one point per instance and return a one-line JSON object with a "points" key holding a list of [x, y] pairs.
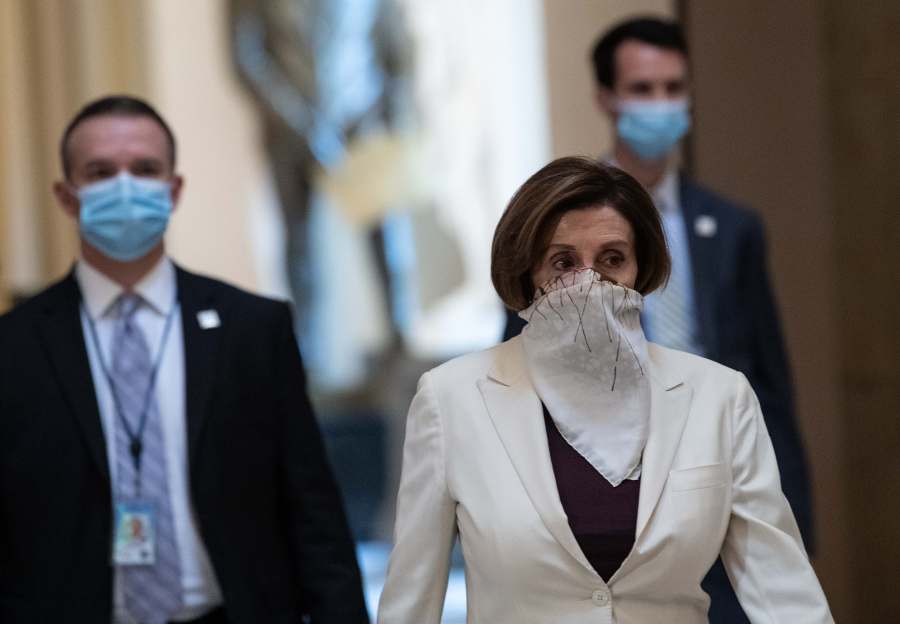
{"points": [[718, 302], [159, 458]]}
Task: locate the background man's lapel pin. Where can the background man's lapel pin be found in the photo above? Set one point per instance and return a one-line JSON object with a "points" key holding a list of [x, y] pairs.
{"points": [[705, 226], [208, 319]]}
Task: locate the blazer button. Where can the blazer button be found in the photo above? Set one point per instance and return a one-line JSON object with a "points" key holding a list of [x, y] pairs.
{"points": [[600, 597]]}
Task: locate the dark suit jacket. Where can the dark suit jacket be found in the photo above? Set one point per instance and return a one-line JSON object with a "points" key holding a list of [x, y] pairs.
{"points": [[268, 508], [739, 325]]}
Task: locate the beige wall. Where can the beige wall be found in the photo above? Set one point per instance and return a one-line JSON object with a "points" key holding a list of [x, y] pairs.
{"points": [[19, 250], [862, 52], [572, 26]]}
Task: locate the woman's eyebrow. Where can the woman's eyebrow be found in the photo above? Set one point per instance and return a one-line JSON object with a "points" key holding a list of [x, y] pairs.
{"points": [[613, 242]]}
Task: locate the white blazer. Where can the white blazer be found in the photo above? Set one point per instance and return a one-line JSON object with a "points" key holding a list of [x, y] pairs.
{"points": [[476, 462]]}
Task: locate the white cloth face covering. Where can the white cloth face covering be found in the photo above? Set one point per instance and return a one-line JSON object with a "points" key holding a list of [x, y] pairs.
{"points": [[587, 358]]}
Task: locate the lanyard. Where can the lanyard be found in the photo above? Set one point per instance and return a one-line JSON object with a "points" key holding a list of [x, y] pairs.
{"points": [[135, 445]]}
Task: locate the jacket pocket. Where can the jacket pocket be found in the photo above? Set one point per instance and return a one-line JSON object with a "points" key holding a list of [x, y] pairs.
{"points": [[713, 475]]}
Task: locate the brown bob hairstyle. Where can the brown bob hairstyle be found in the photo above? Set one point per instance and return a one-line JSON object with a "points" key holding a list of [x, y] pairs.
{"points": [[527, 226]]}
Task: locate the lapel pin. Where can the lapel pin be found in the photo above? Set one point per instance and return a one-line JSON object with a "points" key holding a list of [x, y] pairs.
{"points": [[705, 226], [208, 319]]}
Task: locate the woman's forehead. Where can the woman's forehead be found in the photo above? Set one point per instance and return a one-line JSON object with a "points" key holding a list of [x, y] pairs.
{"points": [[594, 223]]}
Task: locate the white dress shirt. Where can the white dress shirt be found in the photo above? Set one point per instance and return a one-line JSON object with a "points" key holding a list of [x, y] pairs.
{"points": [[157, 291]]}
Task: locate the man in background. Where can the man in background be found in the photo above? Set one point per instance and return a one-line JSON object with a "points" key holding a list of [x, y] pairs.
{"points": [[159, 457], [718, 302]]}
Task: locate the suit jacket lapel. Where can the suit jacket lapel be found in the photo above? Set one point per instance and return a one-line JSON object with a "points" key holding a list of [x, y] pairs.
{"points": [[63, 339], [704, 262], [669, 405], [200, 348], [516, 413]]}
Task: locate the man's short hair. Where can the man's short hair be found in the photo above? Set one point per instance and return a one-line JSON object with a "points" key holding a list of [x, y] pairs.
{"points": [[121, 105], [652, 30]]}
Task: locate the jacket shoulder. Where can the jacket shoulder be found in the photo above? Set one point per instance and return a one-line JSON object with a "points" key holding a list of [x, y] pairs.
{"points": [[63, 289], [458, 378], [229, 294]]}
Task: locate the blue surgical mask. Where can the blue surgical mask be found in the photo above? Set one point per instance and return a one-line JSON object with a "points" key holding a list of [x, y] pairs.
{"points": [[651, 129], [125, 217]]}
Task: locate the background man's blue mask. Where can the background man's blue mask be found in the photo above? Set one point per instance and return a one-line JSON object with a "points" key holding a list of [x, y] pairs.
{"points": [[651, 129], [125, 217]]}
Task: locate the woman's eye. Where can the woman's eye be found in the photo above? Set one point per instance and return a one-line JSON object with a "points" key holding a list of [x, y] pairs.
{"points": [[563, 264], [614, 261]]}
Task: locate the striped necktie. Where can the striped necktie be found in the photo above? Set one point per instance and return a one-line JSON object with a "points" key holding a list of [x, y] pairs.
{"points": [[670, 318], [152, 593]]}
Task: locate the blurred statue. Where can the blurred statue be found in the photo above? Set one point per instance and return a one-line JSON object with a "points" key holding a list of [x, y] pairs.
{"points": [[328, 76]]}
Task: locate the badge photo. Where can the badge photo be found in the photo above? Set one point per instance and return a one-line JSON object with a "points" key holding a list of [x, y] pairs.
{"points": [[134, 542]]}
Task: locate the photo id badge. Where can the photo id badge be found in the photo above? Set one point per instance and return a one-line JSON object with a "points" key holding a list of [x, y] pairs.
{"points": [[134, 542]]}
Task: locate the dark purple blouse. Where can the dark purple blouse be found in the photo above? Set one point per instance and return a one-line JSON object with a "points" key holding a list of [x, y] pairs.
{"points": [[602, 517]]}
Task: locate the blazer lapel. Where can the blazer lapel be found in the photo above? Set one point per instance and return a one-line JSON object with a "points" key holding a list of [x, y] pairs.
{"points": [[63, 339], [516, 413], [669, 406], [201, 345], [704, 263]]}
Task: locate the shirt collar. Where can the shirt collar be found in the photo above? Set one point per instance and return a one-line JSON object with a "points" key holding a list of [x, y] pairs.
{"points": [[666, 194], [99, 292]]}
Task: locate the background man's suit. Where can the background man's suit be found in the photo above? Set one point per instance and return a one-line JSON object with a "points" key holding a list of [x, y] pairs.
{"points": [[268, 509], [739, 326]]}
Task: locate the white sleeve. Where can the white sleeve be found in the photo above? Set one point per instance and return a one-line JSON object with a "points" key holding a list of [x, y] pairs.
{"points": [[426, 521], [763, 552]]}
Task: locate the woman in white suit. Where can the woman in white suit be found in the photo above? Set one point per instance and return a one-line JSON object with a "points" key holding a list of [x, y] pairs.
{"points": [[591, 476]]}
